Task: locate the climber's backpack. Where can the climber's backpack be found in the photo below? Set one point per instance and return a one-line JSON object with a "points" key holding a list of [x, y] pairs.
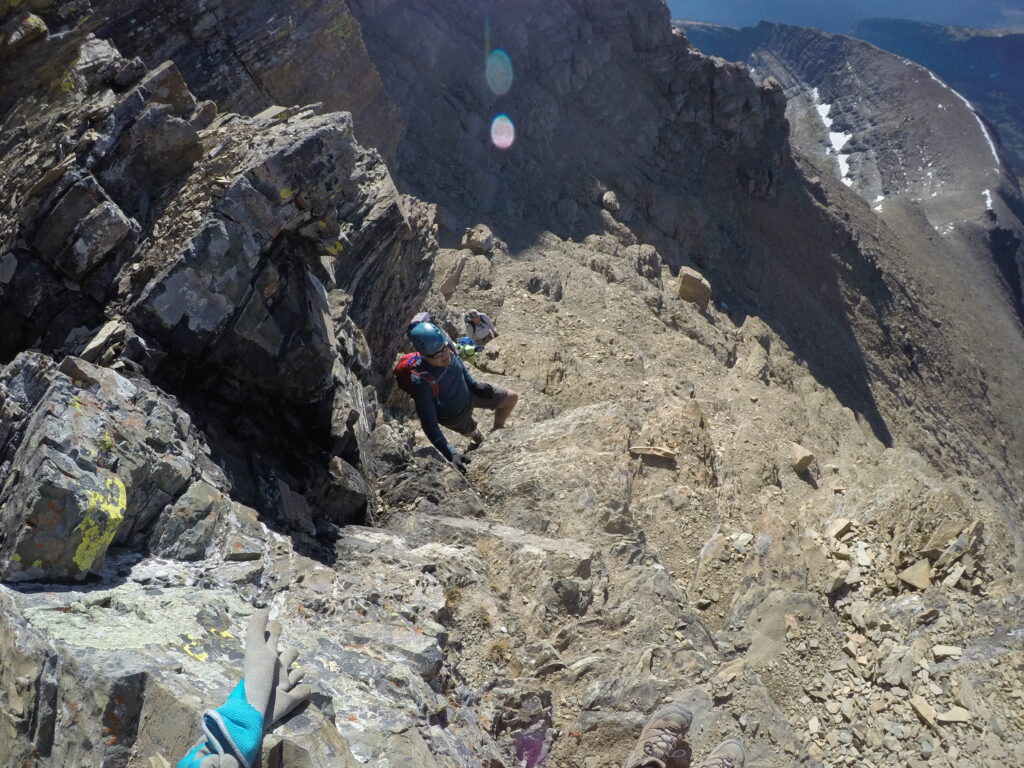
{"points": [[409, 365]]}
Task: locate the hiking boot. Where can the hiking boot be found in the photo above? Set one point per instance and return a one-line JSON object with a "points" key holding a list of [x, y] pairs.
{"points": [[661, 741], [728, 754], [475, 441]]}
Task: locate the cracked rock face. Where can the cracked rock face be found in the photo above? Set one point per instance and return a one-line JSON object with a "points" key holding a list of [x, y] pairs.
{"points": [[98, 459]]}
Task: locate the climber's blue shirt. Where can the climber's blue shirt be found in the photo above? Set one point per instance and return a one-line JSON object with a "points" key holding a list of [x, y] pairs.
{"points": [[453, 383]]}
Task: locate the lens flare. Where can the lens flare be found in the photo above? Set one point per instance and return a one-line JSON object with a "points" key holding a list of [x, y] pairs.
{"points": [[499, 72], [503, 132]]}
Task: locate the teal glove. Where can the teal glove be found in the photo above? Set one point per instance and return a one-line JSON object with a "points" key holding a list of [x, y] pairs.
{"points": [[200, 756], [234, 730]]}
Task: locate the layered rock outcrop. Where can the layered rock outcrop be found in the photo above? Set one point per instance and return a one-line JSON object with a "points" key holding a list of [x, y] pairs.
{"points": [[249, 56]]}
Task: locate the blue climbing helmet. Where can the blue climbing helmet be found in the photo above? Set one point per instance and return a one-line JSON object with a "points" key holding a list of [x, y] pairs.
{"points": [[427, 338]]}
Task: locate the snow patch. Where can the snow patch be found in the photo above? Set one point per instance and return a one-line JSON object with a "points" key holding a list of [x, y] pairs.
{"points": [[879, 199], [984, 130], [988, 200], [839, 140], [823, 110]]}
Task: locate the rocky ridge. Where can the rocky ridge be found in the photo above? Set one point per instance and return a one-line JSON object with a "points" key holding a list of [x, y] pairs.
{"points": [[209, 414], [976, 62], [913, 148]]}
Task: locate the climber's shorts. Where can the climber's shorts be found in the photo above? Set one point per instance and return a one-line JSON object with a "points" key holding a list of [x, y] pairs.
{"points": [[464, 423]]}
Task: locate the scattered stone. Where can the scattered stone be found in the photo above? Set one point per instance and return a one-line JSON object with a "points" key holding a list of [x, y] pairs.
{"points": [[694, 288], [924, 710], [653, 450], [610, 201], [836, 580], [918, 575], [941, 537], [799, 458], [955, 715], [946, 651], [479, 239], [839, 528], [742, 541], [111, 332], [863, 555]]}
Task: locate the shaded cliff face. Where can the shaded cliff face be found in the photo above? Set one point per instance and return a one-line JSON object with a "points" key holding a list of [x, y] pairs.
{"points": [[980, 64], [248, 56], [921, 156]]}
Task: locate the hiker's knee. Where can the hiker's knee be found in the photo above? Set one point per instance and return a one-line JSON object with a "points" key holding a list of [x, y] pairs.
{"points": [[510, 399]]}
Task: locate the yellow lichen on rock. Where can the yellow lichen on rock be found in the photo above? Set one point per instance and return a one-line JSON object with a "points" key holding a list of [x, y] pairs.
{"points": [[193, 643], [103, 515]]}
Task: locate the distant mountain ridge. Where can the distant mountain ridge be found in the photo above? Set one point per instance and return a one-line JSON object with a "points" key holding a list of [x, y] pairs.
{"points": [[983, 65], [914, 148], [842, 17]]}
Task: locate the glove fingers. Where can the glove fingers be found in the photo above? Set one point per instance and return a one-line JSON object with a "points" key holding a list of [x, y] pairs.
{"points": [[273, 635], [257, 626], [288, 657], [295, 675], [219, 761], [296, 697]]}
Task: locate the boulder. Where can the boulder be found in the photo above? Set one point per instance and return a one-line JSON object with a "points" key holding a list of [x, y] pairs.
{"points": [[79, 483], [799, 458], [694, 288], [917, 575], [250, 265], [480, 240]]}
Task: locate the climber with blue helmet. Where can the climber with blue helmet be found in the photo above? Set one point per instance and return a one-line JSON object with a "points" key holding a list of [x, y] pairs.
{"points": [[445, 393]]}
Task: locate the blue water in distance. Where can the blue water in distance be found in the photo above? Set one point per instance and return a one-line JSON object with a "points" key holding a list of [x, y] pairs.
{"points": [[841, 15]]}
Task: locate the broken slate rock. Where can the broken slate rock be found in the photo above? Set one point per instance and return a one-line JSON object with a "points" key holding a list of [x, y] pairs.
{"points": [[918, 575]]}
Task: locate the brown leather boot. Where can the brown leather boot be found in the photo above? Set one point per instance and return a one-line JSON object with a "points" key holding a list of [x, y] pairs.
{"points": [[661, 741], [728, 754]]}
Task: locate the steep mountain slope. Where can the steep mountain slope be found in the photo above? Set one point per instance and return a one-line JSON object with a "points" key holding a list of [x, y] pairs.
{"points": [[738, 210], [794, 507], [980, 64], [916, 151]]}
